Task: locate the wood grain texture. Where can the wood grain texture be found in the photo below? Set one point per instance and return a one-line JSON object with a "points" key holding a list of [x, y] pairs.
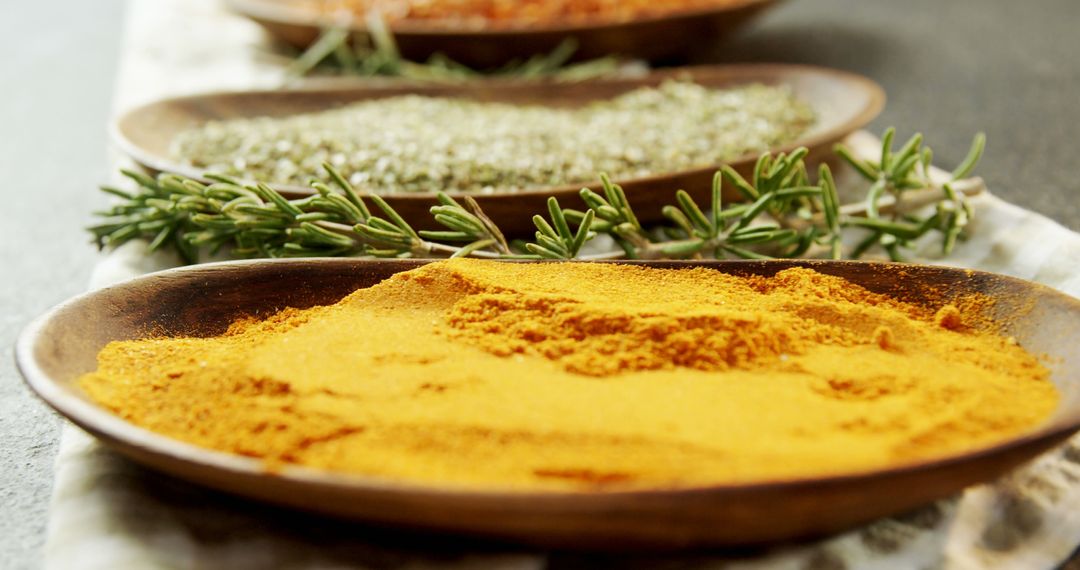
{"points": [[843, 103], [651, 38], [203, 300]]}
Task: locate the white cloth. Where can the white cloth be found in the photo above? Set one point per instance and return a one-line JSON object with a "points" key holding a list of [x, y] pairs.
{"points": [[109, 513]]}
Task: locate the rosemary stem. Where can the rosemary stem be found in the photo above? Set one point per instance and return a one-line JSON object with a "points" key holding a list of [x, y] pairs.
{"points": [[343, 229], [432, 247], [914, 199]]}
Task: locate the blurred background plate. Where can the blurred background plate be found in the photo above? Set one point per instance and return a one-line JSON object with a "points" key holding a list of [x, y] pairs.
{"points": [[842, 102], [652, 37]]}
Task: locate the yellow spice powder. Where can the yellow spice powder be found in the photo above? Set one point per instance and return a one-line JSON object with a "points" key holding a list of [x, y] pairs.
{"points": [[586, 376]]}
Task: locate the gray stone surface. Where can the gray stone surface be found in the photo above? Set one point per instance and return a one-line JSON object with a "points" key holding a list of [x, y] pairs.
{"points": [[951, 68], [56, 78]]}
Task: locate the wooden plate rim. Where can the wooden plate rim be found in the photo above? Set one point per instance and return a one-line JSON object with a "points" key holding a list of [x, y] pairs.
{"points": [[874, 92], [264, 11], [96, 419]]}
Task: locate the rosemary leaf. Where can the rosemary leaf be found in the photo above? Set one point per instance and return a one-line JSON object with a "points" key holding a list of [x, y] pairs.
{"points": [[473, 247], [974, 154]]}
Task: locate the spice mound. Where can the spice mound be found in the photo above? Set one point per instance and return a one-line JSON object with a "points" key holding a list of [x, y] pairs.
{"points": [[513, 13], [590, 377], [414, 143]]}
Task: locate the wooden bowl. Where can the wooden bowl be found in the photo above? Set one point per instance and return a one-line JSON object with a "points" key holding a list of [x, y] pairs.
{"points": [[651, 37], [201, 300], [843, 102]]}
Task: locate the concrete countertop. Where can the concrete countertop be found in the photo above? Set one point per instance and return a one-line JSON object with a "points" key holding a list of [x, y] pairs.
{"points": [[950, 68]]}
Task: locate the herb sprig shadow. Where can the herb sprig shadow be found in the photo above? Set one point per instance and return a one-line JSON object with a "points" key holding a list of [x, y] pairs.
{"points": [[784, 214]]}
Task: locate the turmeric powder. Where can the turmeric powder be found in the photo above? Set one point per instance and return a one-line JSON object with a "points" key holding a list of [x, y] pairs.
{"points": [[572, 376]]}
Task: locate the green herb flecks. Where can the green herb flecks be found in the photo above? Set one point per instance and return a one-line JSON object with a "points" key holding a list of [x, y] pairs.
{"points": [[422, 144]]}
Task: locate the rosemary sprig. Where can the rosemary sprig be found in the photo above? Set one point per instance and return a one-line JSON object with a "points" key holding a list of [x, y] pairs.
{"points": [[896, 173], [555, 240], [724, 231], [375, 53], [783, 215]]}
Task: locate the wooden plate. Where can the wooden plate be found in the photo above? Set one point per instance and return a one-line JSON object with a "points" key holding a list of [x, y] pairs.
{"points": [[201, 300], [843, 102], [652, 37]]}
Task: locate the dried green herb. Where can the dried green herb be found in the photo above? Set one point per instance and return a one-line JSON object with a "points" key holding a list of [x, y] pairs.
{"points": [[419, 144]]}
